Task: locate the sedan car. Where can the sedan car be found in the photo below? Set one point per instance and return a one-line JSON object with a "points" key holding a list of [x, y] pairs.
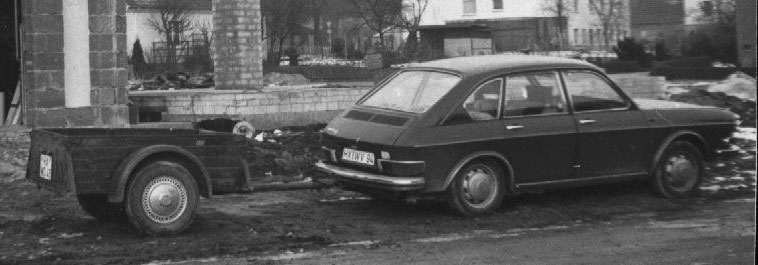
{"points": [[475, 130]]}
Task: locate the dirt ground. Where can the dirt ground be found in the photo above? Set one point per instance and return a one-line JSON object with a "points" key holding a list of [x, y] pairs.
{"points": [[37, 227]]}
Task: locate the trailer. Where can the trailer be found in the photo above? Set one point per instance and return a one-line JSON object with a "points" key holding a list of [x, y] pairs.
{"points": [[152, 177]]}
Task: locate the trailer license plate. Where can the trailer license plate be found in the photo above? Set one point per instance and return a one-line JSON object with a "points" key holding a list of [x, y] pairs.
{"points": [[356, 156], [46, 166]]}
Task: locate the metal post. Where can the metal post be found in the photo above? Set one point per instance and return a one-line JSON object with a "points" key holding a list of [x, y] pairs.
{"points": [[2, 108]]}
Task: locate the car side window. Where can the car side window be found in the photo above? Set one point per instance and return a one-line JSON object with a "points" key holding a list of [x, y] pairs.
{"points": [[590, 92], [536, 93], [484, 104]]}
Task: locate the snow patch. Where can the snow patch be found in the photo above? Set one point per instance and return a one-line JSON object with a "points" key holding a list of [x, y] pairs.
{"points": [[355, 243], [746, 133], [737, 85], [443, 239]]}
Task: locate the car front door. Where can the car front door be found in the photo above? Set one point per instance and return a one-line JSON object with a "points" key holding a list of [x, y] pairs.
{"points": [[540, 134], [612, 132]]}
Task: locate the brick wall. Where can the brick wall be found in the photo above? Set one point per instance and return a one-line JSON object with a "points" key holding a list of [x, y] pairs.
{"points": [[285, 106], [237, 51], [44, 85]]}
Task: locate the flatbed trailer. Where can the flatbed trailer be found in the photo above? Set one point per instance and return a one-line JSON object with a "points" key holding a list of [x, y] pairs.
{"points": [[152, 177]]}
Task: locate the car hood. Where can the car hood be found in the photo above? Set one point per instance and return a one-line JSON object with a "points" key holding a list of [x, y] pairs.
{"points": [[653, 104]]}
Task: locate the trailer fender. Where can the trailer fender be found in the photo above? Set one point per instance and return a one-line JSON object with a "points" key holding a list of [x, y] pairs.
{"points": [[130, 163]]}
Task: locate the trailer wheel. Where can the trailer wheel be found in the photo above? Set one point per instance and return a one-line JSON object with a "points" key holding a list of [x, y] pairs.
{"points": [[161, 199], [97, 205]]}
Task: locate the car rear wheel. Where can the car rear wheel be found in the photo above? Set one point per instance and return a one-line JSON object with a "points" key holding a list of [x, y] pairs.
{"points": [[97, 205], [679, 171], [162, 198], [478, 188]]}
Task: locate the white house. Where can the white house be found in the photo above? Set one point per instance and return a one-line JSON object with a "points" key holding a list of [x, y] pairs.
{"points": [[517, 25]]}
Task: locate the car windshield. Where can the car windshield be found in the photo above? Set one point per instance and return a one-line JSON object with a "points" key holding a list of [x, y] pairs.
{"points": [[412, 91]]}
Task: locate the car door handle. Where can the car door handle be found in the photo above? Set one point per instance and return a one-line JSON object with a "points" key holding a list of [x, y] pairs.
{"points": [[514, 127], [587, 121]]}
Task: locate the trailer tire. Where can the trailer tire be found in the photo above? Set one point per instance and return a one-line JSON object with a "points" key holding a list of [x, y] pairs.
{"points": [[161, 198], [97, 205]]}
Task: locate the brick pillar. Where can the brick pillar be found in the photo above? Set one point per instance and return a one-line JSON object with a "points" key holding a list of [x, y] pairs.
{"points": [[44, 65], [237, 51]]}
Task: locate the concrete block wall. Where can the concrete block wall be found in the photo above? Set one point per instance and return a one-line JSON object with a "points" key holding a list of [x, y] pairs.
{"points": [[44, 80], [238, 61], [294, 106], [652, 87]]}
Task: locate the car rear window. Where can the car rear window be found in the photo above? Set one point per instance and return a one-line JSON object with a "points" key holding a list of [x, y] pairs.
{"points": [[412, 91]]}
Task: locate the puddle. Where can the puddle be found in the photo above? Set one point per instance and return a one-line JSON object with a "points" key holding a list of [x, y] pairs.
{"points": [[343, 199], [356, 243]]}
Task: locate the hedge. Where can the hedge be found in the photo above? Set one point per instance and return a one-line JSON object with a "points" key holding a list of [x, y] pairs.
{"points": [[616, 66], [704, 73]]}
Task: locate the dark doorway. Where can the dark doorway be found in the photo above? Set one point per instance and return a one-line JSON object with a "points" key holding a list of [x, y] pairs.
{"points": [[9, 50]]}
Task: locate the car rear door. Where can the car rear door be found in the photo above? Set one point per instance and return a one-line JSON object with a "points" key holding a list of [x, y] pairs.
{"points": [[613, 136]]}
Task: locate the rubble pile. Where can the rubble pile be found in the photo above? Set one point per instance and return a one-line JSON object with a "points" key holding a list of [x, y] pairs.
{"points": [[744, 107], [288, 151]]}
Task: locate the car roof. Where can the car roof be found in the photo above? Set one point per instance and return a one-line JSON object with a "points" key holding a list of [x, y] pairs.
{"points": [[488, 63]]}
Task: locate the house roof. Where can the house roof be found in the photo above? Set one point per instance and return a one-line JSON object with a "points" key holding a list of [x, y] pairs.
{"points": [[200, 5], [492, 63]]}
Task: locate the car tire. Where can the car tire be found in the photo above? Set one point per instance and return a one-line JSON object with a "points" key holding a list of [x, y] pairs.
{"points": [[679, 171], [97, 205], [161, 199], [477, 189]]}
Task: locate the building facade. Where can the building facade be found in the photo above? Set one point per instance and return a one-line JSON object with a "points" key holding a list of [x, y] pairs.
{"points": [[491, 26]]}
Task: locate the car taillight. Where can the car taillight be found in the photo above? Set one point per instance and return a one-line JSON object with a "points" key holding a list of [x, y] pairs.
{"points": [[402, 168]]}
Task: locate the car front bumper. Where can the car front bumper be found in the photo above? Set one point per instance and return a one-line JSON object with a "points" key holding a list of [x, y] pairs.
{"points": [[333, 173]]}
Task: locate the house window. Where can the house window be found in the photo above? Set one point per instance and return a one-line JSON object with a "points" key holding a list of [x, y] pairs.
{"points": [[707, 8], [497, 4], [576, 36], [469, 7], [576, 5]]}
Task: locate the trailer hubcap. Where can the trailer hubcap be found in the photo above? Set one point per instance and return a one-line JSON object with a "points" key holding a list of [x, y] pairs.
{"points": [[164, 199]]}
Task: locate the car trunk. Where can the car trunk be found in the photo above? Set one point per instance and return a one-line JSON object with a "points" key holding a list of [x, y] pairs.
{"points": [[365, 130]]}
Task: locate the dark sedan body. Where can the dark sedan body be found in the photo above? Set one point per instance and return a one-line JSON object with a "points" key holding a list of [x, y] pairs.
{"points": [[477, 129]]}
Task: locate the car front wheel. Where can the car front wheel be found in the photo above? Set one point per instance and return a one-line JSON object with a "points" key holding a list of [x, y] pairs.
{"points": [[679, 171], [162, 198], [478, 188]]}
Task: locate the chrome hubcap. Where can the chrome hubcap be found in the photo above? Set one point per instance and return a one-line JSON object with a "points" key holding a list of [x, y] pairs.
{"points": [[681, 172], [479, 186], [164, 199]]}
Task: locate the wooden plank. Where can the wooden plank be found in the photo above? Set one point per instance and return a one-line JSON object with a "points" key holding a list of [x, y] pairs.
{"points": [[14, 111]]}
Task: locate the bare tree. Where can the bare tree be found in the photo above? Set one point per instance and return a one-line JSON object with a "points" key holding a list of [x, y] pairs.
{"points": [[281, 17], [381, 16], [412, 12], [611, 16], [559, 10], [173, 19], [721, 12]]}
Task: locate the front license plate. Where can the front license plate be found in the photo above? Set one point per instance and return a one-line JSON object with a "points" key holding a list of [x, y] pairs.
{"points": [[46, 166], [356, 156]]}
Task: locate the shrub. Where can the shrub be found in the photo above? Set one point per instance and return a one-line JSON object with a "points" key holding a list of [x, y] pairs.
{"points": [[617, 66], [630, 50], [661, 52], [138, 59]]}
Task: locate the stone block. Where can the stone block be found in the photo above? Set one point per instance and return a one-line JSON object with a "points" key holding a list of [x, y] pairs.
{"points": [[101, 43], [50, 99], [101, 7], [102, 24], [46, 23], [80, 117], [47, 61], [49, 118]]}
